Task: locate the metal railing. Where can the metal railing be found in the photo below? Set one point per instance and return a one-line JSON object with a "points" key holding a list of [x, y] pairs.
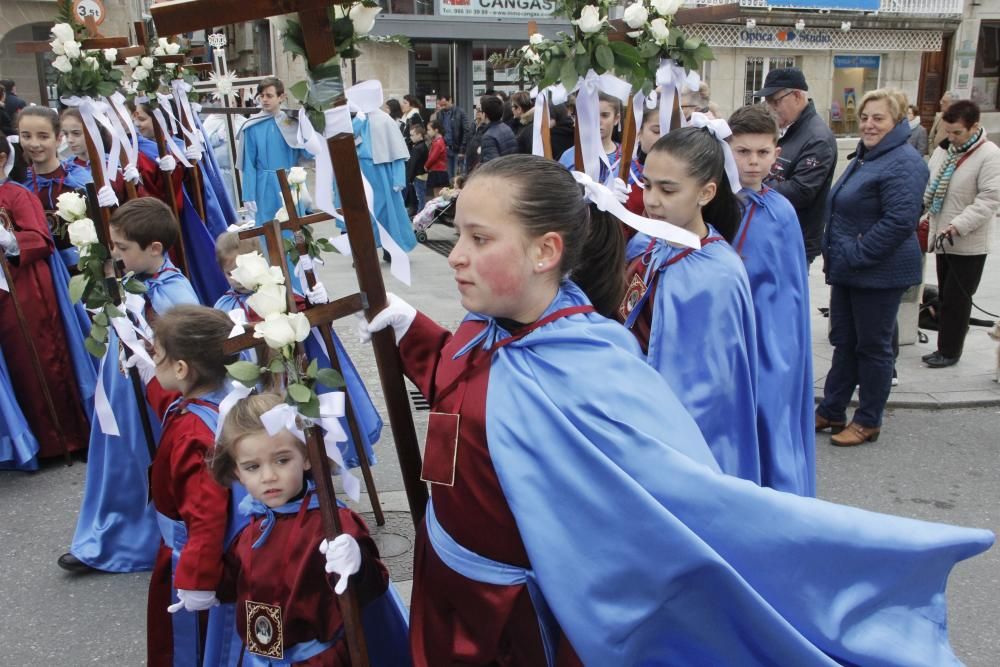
{"points": [[911, 7]]}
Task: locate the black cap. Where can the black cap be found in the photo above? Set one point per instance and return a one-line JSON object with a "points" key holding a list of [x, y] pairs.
{"points": [[780, 79]]}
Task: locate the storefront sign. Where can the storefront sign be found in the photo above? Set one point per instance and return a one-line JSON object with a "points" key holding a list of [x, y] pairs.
{"points": [[826, 4], [508, 9], [783, 38], [871, 62]]}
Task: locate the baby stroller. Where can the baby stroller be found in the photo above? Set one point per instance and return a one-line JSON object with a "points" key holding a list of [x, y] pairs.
{"points": [[440, 209]]}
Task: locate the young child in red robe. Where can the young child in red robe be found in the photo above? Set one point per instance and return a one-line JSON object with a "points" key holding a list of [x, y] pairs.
{"points": [[279, 570]]}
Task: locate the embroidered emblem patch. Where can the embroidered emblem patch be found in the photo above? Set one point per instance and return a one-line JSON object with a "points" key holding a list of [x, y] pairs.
{"points": [[636, 289], [264, 630]]}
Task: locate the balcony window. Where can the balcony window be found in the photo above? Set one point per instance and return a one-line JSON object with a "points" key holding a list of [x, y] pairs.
{"points": [[986, 76]]}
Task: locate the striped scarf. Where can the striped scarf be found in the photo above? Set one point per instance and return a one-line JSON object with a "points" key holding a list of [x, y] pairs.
{"points": [[937, 188]]}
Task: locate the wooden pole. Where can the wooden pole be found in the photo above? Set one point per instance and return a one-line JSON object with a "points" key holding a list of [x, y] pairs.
{"points": [[194, 174], [171, 190], [629, 132]]}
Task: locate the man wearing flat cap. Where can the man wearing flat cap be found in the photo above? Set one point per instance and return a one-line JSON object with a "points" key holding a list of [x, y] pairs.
{"points": [[808, 153]]}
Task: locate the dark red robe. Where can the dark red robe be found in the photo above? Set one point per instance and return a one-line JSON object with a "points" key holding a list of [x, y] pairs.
{"points": [[154, 186], [454, 620], [37, 297], [183, 490], [287, 571], [48, 195], [118, 184]]}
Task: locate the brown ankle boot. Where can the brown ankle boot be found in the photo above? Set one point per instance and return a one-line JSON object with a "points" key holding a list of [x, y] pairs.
{"points": [[822, 423], [855, 434]]}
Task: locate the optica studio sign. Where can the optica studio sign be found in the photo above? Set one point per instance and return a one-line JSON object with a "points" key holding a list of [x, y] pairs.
{"points": [[785, 38]]}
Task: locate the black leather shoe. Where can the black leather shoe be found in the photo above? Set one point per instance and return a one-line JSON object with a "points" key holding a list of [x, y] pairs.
{"points": [[940, 361], [929, 355], [71, 563]]}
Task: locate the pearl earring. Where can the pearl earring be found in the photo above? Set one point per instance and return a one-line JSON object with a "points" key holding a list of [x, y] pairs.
{"points": [[540, 265]]}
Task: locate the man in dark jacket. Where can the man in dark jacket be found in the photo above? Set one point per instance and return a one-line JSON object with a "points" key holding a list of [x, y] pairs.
{"points": [[455, 124], [804, 170], [498, 138], [12, 104]]}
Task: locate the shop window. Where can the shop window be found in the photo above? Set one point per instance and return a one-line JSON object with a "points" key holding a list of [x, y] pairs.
{"points": [[485, 77], [424, 7], [756, 70], [853, 76], [986, 77]]}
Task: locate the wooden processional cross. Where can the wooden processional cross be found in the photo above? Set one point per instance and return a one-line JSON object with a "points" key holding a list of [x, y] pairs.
{"points": [[177, 16]]}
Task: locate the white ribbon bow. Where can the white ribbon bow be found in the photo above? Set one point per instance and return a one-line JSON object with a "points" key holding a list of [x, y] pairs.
{"points": [[670, 81], [588, 113], [239, 318], [559, 96], [237, 392], [120, 118], [606, 200], [719, 129], [7, 168]]}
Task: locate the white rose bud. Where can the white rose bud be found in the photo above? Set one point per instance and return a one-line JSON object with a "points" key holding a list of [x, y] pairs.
{"points": [[57, 47], [63, 32], [635, 15], [536, 39], [173, 49], [140, 74], [667, 7], [110, 55], [268, 300], [363, 18], [91, 62], [296, 175], [532, 56], [590, 20], [82, 232], [147, 62], [132, 61], [62, 64], [658, 28], [70, 206], [72, 49]]}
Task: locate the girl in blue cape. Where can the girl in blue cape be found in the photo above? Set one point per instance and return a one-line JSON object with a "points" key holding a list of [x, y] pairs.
{"points": [[771, 247], [548, 427], [18, 447], [116, 530], [691, 310]]}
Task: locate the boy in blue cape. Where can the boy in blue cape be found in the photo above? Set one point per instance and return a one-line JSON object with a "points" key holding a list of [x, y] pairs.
{"points": [[116, 530], [772, 250]]}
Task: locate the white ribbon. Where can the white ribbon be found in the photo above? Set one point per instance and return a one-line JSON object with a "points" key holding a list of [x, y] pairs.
{"points": [[165, 100], [90, 111], [181, 88], [114, 154], [168, 138], [719, 129], [239, 318], [102, 406], [559, 96], [331, 408], [670, 81], [136, 306], [249, 224], [304, 264], [122, 120], [606, 200], [193, 138], [237, 392], [338, 120], [127, 335], [7, 168], [588, 113]]}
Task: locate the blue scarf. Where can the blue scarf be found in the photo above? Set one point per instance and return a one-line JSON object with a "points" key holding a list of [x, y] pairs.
{"points": [[250, 506]]}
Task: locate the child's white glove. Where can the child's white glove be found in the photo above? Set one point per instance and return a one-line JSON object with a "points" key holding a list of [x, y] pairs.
{"points": [[8, 241], [192, 153], [397, 314], [193, 601], [620, 190], [106, 197], [343, 557], [131, 174], [146, 370], [317, 294], [166, 163]]}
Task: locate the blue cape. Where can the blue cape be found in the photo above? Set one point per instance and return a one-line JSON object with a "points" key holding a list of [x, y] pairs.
{"points": [[77, 178], [774, 256], [647, 555], [18, 446], [218, 207], [703, 341], [76, 325]]}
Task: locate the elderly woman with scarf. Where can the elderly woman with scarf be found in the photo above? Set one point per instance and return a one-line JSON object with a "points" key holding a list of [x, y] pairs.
{"points": [[962, 198], [871, 256]]}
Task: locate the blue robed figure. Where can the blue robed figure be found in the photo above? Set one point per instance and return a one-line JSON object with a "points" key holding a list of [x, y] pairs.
{"points": [[703, 341], [199, 244], [712, 569], [18, 446], [219, 209], [266, 144], [770, 243], [116, 530]]}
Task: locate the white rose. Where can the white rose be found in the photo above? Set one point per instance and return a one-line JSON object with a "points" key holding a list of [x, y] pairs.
{"points": [[62, 64], [163, 41], [173, 49], [667, 7], [300, 325], [70, 206], [532, 56], [146, 62], [72, 49], [140, 74], [363, 18], [658, 28], [635, 15], [132, 61], [536, 39], [110, 55], [171, 66], [296, 175], [590, 20], [63, 32], [57, 47], [91, 62], [282, 329], [159, 51], [82, 232], [249, 267], [268, 300]]}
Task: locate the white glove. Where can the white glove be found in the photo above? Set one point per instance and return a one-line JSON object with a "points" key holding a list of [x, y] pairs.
{"points": [[397, 314], [131, 174], [193, 601], [166, 163], [251, 206], [192, 153], [317, 294], [620, 190], [146, 371], [106, 197], [8, 242], [343, 557]]}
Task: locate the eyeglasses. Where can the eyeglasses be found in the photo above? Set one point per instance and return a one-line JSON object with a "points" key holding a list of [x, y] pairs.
{"points": [[773, 102]]}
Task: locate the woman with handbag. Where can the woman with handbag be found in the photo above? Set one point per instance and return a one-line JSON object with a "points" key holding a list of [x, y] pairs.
{"points": [[870, 257], [962, 198]]}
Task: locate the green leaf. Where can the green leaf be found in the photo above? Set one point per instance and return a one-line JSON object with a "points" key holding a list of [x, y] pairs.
{"points": [[580, 48], [101, 319], [77, 286], [300, 90], [134, 286], [300, 392], [311, 370], [94, 347], [331, 378], [277, 365], [244, 372], [568, 74], [605, 57], [311, 407], [648, 49], [99, 333], [112, 311]]}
